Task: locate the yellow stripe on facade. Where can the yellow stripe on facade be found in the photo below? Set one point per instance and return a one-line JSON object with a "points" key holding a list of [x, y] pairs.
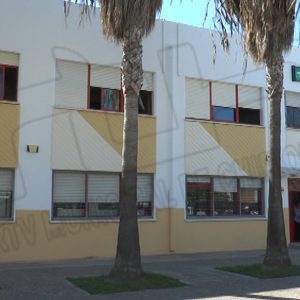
{"points": [[245, 144], [9, 135], [110, 127], [35, 238]]}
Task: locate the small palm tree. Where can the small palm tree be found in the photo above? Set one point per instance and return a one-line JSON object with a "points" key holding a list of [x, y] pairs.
{"points": [[128, 22], [268, 28]]}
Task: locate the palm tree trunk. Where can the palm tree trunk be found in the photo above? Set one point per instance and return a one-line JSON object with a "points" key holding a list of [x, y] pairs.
{"points": [[276, 253], [128, 259]]}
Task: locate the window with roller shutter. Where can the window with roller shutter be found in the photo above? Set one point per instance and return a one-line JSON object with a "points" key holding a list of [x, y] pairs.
{"points": [[223, 102], [96, 195], [6, 193], [216, 197]]}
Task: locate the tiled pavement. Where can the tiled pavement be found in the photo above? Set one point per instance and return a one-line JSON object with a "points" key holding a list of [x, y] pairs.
{"points": [[47, 280]]}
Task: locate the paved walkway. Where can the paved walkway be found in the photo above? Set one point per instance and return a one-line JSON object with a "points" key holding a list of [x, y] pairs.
{"points": [[48, 280]]}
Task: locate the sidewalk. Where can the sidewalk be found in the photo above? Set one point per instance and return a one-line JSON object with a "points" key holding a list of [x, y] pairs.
{"points": [[47, 280]]}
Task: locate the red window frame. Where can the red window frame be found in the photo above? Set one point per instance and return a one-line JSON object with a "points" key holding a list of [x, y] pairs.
{"points": [[4, 67], [237, 107], [238, 212], [121, 96]]}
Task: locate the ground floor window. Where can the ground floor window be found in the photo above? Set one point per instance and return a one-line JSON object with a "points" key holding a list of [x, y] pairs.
{"points": [[6, 193], [224, 196], [96, 194]]}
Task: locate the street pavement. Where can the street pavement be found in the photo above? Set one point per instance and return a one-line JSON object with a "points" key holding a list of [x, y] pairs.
{"points": [[47, 280]]}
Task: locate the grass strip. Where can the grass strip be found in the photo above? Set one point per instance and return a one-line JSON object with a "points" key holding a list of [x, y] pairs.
{"points": [[105, 285], [257, 271]]}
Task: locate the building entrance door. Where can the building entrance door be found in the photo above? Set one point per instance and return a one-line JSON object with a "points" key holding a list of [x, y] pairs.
{"points": [[294, 198]]}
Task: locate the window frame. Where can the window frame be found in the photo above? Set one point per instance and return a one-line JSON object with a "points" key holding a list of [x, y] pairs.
{"points": [[2, 96], [211, 201], [121, 97], [294, 108], [10, 207], [236, 108], [86, 216]]}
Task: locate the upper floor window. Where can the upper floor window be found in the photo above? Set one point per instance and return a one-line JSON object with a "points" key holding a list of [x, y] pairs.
{"points": [[224, 196], [105, 90], [105, 99], [79, 85], [224, 102], [292, 109], [8, 83]]}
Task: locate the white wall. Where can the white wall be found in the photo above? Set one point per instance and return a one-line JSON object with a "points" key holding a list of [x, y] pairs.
{"points": [[172, 52]]}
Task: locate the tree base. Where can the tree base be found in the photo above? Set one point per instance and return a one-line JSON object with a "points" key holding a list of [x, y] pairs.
{"points": [[125, 273], [276, 262]]}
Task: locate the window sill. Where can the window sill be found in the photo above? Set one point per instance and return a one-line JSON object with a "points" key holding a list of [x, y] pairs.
{"points": [[9, 102], [222, 122], [7, 221], [94, 220], [225, 219], [100, 111], [293, 128]]}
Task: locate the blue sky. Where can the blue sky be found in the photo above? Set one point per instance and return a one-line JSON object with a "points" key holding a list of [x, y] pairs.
{"points": [[192, 12], [189, 12]]}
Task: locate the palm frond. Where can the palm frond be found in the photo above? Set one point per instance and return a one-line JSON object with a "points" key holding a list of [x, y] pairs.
{"points": [[267, 25], [119, 17]]}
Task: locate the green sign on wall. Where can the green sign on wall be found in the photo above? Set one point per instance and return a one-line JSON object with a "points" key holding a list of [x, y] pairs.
{"points": [[295, 73]]}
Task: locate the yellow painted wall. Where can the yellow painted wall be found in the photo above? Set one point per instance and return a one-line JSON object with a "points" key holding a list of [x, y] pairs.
{"points": [[33, 237], [110, 127], [245, 144], [9, 134]]}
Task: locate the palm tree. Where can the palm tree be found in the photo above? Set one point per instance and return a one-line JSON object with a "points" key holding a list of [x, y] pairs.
{"points": [[128, 22], [268, 28]]}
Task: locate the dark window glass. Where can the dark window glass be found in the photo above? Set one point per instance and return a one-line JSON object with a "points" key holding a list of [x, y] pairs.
{"points": [[226, 114], [145, 103], [95, 97], [226, 204], [110, 100], [249, 116], [1, 82], [66, 210], [144, 209], [293, 117], [108, 209], [5, 204], [198, 199], [251, 201], [10, 84]]}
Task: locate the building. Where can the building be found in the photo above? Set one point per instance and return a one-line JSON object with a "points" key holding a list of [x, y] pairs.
{"points": [[202, 183]]}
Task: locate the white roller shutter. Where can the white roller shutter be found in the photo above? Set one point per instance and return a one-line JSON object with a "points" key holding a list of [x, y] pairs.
{"points": [[292, 99], [71, 84], [144, 187], [6, 180], [103, 187], [225, 185], [253, 183], [249, 97], [223, 94], [7, 58], [197, 98], [106, 77], [147, 81], [198, 179], [69, 187]]}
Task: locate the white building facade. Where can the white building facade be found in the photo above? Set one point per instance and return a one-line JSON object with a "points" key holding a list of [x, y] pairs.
{"points": [[203, 132]]}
